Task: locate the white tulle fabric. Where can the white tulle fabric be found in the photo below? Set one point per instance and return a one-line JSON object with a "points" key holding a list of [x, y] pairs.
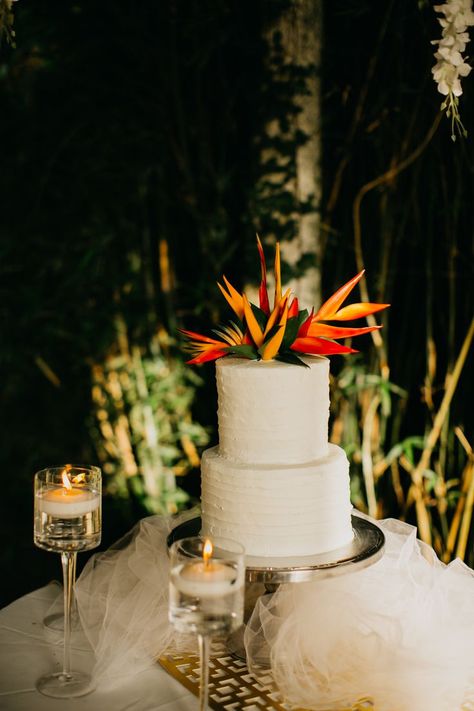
{"points": [[122, 600], [400, 632]]}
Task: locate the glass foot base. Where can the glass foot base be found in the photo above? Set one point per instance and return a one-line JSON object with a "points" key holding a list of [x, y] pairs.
{"points": [[65, 686], [55, 622]]}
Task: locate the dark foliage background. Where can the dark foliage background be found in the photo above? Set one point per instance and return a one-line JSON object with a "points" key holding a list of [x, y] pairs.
{"points": [[127, 128]]}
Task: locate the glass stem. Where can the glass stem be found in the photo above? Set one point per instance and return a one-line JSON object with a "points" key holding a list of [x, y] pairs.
{"points": [[68, 560], [73, 594], [204, 647]]}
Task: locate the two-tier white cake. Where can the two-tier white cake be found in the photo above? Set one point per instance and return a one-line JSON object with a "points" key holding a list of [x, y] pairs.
{"points": [[274, 483]]}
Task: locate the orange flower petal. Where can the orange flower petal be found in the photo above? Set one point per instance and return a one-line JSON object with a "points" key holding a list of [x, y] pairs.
{"points": [[233, 298], [262, 292], [277, 276], [357, 311], [319, 346], [211, 354], [322, 329], [304, 328], [294, 308], [198, 336], [329, 308]]}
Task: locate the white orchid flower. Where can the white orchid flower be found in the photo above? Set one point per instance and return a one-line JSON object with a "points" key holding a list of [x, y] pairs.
{"points": [[456, 17]]}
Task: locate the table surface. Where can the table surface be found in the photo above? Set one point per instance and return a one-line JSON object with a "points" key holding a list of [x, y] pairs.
{"points": [[28, 650]]}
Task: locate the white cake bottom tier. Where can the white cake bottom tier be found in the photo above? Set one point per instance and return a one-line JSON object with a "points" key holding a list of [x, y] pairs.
{"points": [[292, 510]]}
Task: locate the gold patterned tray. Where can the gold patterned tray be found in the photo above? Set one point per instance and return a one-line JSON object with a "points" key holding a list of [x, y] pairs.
{"points": [[231, 687]]}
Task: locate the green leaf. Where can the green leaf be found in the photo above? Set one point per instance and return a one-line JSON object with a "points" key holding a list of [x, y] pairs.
{"points": [[451, 483], [290, 358], [302, 316], [431, 479], [453, 497], [271, 333], [260, 315], [405, 447], [244, 351], [291, 330], [350, 449]]}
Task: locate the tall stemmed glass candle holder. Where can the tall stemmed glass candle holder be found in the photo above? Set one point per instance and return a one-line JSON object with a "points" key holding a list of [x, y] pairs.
{"points": [[206, 594], [55, 621], [67, 520]]}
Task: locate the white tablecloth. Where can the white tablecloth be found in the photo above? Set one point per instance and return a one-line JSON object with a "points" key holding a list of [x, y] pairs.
{"points": [[28, 650]]}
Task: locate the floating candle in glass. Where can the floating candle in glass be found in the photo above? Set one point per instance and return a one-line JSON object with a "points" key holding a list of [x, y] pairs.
{"points": [[68, 500], [67, 520], [205, 578], [206, 594]]}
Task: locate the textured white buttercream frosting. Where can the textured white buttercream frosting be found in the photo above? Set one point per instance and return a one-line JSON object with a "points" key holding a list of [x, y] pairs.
{"points": [[273, 483], [278, 510], [271, 412]]}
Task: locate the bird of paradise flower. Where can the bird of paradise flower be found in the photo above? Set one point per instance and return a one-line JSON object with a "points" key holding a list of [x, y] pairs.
{"points": [[281, 332]]}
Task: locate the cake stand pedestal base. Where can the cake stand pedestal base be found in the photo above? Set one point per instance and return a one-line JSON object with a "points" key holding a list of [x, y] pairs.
{"points": [[265, 574]]}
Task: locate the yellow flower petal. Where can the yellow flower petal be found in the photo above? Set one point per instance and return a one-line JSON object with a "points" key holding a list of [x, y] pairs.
{"points": [[233, 298], [276, 312], [273, 345], [252, 323]]}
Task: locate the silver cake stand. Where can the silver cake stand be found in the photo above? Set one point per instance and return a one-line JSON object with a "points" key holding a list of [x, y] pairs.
{"points": [[265, 574]]}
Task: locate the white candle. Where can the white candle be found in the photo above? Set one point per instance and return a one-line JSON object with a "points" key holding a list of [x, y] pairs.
{"points": [[67, 502], [205, 579]]}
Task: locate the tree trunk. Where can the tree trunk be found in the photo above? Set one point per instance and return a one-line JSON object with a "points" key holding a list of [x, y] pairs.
{"points": [[293, 145]]}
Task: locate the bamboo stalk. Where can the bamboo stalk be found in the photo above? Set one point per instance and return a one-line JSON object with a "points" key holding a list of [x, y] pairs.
{"points": [[455, 523], [406, 464], [464, 441], [122, 335], [440, 489], [430, 373], [424, 461], [367, 463], [467, 515], [48, 372], [430, 343], [151, 471], [467, 477], [381, 467], [190, 450], [397, 484], [122, 434], [438, 543]]}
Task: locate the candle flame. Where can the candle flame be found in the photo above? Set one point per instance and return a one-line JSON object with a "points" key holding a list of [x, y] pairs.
{"points": [[79, 478], [207, 551], [66, 481]]}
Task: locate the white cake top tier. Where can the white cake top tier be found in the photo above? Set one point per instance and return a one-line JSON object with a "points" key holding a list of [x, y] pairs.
{"points": [[271, 412]]}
